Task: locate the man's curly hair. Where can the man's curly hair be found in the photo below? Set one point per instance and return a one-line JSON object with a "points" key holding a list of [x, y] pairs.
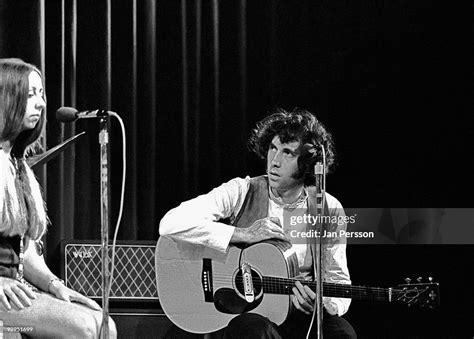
{"points": [[296, 125]]}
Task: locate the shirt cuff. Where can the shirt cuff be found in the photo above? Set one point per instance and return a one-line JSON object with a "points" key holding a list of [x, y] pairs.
{"points": [[335, 306], [221, 237]]}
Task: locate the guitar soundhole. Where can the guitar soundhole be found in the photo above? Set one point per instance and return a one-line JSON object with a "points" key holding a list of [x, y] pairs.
{"points": [[256, 280], [232, 301]]}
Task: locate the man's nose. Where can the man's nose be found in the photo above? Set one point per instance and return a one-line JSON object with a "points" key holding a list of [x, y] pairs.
{"points": [[276, 161]]}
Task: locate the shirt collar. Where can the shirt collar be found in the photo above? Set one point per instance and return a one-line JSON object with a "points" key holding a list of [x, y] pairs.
{"points": [[297, 203]]}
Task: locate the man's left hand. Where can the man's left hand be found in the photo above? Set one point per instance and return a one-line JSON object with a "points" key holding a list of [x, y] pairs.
{"points": [[303, 298]]}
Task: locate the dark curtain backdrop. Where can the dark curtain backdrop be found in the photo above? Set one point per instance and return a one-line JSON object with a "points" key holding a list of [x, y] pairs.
{"points": [[391, 79]]}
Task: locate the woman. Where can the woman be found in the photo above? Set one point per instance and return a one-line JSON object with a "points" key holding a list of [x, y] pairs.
{"points": [[46, 307]]}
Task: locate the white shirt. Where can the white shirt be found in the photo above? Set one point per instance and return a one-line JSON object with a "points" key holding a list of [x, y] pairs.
{"points": [[196, 221]]}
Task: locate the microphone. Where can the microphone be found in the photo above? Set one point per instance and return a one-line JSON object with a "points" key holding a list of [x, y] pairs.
{"points": [[70, 114]]}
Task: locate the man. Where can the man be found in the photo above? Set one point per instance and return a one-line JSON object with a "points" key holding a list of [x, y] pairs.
{"points": [[251, 210]]}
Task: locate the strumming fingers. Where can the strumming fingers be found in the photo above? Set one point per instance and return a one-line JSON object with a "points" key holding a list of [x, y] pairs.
{"points": [[274, 228], [275, 220]]}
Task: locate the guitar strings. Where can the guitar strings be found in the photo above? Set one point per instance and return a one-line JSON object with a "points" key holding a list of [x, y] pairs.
{"points": [[355, 293], [276, 281], [283, 284]]}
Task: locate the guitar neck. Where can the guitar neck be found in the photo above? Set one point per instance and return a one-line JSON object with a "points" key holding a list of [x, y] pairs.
{"points": [[276, 285]]}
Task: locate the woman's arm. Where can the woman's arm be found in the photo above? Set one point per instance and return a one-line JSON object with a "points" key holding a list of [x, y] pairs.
{"points": [[36, 271], [38, 274]]}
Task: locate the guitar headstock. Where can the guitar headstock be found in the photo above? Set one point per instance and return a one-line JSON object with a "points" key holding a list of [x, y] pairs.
{"points": [[419, 293]]}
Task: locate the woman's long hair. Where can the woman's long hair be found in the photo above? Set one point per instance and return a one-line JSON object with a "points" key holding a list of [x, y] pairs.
{"points": [[22, 208]]}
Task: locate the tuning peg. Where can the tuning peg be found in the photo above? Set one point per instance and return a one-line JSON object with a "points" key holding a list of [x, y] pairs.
{"points": [[407, 280], [419, 279]]}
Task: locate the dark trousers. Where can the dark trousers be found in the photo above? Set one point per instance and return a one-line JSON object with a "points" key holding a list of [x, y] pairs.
{"points": [[253, 326]]}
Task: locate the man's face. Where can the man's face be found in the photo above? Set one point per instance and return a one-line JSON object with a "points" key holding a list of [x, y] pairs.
{"points": [[282, 165]]}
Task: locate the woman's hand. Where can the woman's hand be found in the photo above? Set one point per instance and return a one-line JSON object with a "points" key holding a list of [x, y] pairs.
{"points": [[60, 291], [13, 292]]}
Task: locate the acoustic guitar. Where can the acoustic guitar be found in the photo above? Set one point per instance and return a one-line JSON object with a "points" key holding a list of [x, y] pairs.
{"points": [[201, 289]]}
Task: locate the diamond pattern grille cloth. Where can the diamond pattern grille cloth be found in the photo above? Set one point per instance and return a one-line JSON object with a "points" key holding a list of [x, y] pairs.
{"points": [[134, 274]]}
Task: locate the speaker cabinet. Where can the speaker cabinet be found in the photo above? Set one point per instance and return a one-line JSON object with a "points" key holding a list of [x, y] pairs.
{"points": [[134, 275]]}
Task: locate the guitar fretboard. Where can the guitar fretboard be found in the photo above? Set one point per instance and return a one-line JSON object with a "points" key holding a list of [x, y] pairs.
{"points": [[276, 285]]}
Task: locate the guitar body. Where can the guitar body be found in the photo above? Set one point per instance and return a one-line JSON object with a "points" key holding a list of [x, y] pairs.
{"points": [[201, 289]]}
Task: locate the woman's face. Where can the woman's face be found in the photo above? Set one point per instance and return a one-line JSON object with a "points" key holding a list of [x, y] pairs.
{"points": [[36, 104]]}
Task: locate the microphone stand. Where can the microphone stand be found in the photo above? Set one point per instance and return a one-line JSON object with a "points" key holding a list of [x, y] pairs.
{"points": [[104, 213], [320, 175], [69, 114]]}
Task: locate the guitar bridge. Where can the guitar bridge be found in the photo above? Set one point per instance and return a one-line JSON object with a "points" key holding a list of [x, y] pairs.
{"points": [[206, 280]]}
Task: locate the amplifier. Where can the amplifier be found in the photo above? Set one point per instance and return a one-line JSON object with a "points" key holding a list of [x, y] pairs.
{"points": [[134, 275]]}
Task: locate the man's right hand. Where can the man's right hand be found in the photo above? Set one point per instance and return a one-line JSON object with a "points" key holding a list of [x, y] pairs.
{"points": [[17, 293], [262, 229]]}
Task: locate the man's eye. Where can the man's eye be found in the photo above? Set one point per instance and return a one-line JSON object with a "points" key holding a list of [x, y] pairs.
{"points": [[31, 94]]}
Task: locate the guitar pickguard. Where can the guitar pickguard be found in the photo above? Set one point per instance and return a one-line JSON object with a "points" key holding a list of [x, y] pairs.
{"points": [[226, 300]]}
